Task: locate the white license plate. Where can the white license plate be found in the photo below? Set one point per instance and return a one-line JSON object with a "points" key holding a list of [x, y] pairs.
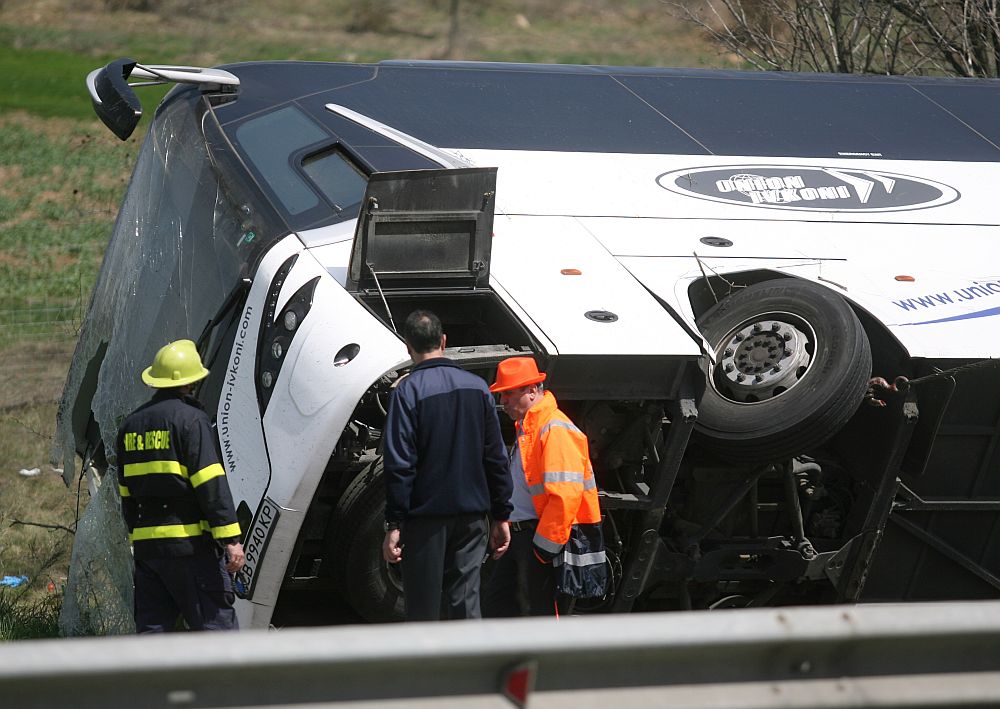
{"points": [[255, 546]]}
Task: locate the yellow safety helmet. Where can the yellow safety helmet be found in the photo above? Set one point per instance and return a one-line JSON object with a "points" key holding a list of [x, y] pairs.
{"points": [[175, 365]]}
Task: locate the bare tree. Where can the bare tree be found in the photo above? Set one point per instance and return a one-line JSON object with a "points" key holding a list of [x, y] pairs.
{"points": [[453, 29], [958, 37], [955, 36]]}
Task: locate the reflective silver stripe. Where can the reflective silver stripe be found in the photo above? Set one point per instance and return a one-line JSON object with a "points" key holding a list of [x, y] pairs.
{"points": [[563, 477], [571, 559], [546, 544], [539, 488], [559, 424]]}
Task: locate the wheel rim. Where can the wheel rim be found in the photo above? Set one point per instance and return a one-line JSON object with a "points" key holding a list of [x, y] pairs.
{"points": [[735, 601], [763, 358]]}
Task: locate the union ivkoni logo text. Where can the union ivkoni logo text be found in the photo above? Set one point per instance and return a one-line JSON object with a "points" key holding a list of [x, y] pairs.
{"points": [[808, 188]]}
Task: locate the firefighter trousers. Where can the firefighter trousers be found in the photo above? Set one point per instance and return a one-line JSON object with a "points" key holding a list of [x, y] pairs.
{"points": [[197, 588]]}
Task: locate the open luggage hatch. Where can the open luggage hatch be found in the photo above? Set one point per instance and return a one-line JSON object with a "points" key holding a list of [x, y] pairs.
{"points": [[424, 230]]}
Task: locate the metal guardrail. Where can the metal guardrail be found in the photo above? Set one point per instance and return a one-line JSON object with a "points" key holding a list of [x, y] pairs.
{"points": [[939, 654]]}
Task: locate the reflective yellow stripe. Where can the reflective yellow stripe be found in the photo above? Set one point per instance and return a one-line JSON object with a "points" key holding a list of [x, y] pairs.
{"points": [[123, 491], [207, 473], [167, 531], [155, 466], [230, 530]]}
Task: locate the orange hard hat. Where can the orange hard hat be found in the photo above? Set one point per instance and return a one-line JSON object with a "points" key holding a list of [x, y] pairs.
{"points": [[516, 372]]}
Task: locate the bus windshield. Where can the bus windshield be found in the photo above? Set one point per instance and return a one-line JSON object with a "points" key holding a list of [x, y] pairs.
{"points": [[180, 245]]}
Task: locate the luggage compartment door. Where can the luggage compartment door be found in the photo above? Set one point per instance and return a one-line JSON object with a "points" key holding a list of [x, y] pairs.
{"points": [[424, 229]]}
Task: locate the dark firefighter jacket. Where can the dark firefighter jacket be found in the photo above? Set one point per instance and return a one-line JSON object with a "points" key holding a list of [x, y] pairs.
{"points": [[175, 496]]}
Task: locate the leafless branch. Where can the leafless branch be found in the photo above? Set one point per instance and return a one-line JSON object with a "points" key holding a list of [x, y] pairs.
{"points": [[954, 37], [43, 526]]}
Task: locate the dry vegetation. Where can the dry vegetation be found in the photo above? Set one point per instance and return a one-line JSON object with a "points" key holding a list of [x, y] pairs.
{"points": [[640, 32], [37, 513], [61, 180], [37, 519]]}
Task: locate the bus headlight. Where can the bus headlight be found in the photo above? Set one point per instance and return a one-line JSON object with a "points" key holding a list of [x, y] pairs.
{"points": [[278, 329]]}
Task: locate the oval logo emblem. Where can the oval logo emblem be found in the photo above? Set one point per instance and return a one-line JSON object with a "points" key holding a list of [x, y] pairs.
{"points": [[826, 189]]}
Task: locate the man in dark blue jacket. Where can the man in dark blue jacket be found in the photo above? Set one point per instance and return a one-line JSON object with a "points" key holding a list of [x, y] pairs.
{"points": [[445, 469]]}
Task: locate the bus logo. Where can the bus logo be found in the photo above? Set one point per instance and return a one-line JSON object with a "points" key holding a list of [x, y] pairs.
{"points": [[827, 189]]}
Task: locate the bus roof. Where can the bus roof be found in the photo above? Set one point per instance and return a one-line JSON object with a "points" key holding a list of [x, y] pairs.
{"points": [[638, 110]]}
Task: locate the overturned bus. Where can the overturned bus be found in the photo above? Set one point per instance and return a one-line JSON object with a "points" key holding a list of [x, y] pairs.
{"points": [[767, 299]]}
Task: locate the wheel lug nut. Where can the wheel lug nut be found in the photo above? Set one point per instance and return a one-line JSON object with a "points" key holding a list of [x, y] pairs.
{"points": [[776, 327], [786, 336], [757, 327], [729, 367], [738, 337], [728, 352], [776, 368], [740, 377], [787, 352], [758, 378]]}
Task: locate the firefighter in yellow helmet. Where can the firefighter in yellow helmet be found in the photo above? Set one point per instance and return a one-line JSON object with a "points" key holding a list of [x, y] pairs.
{"points": [[557, 545], [176, 502]]}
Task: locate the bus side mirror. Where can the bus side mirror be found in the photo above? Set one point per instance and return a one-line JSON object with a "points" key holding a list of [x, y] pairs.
{"points": [[114, 100]]}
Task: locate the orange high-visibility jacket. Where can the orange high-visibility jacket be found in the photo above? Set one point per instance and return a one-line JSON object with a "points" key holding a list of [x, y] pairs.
{"points": [[556, 460]]}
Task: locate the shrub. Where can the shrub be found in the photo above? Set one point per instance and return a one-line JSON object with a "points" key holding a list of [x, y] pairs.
{"points": [[21, 619]]}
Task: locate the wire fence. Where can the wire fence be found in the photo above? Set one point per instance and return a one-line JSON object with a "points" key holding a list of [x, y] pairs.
{"points": [[36, 345]]}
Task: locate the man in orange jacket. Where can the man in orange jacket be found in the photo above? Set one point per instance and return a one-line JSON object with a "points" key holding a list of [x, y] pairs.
{"points": [[557, 547]]}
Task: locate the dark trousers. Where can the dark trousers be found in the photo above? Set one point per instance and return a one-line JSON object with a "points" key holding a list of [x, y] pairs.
{"points": [[441, 560], [197, 588], [519, 584]]}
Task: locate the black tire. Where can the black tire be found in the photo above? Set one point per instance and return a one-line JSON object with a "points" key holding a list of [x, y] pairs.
{"points": [[372, 588], [792, 366]]}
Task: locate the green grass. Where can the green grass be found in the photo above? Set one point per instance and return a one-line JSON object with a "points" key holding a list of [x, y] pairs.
{"points": [[43, 81], [62, 182]]}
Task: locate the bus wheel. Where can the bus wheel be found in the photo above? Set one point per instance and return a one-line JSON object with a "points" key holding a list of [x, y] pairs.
{"points": [[373, 588], [792, 366]]}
